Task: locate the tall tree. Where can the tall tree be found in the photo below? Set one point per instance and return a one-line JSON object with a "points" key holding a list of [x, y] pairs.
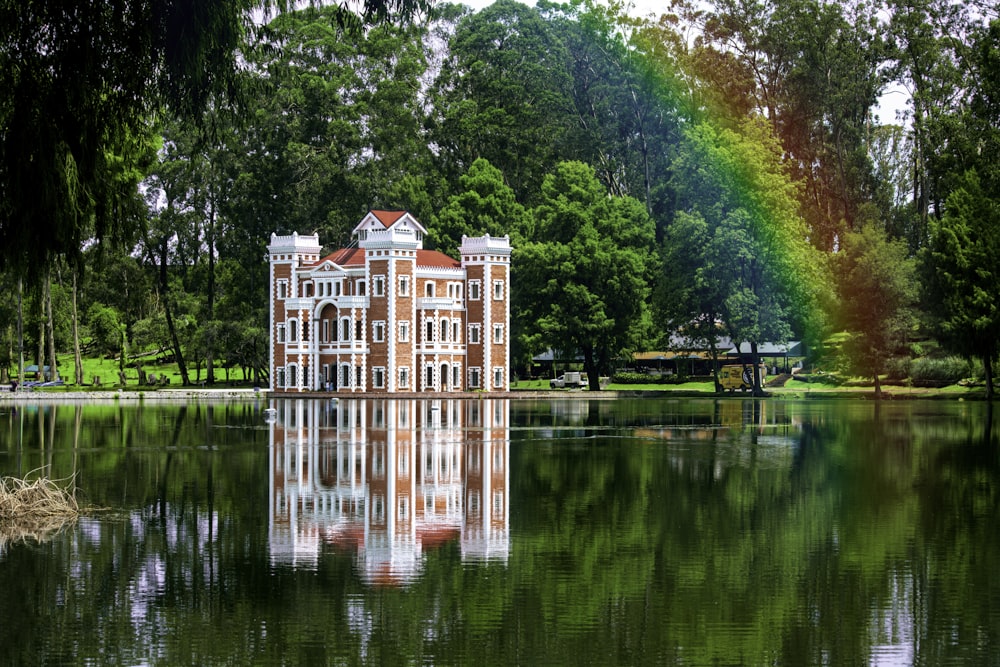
{"points": [[877, 289], [962, 275], [483, 205], [79, 83], [584, 279], [767, 276], [504, 94]]}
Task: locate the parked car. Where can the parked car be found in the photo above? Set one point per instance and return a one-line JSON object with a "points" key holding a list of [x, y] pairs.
{"points": [[569, 380]]}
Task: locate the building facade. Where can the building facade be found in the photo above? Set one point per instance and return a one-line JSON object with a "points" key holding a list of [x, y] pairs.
{"points": [[388, 316]]}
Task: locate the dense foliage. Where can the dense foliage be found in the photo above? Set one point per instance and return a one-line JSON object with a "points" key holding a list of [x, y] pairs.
{"points": [[737, 142]]}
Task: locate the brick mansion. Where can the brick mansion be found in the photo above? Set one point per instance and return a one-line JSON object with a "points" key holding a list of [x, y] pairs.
{"points": [[387, 316]]}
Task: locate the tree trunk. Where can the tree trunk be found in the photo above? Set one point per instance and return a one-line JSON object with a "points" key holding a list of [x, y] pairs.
{"points": [[878, 387], [593, 375], [164, 292], [50, 332], [988, 371], [758, 389], [20, 332], [210, 301], [40, 350], [77, 357]]}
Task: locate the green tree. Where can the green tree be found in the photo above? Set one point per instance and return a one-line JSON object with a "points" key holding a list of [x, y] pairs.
{"points": [[691, 289], [583, 282], [962, 276], [767, 277], [877, 289], [503, 93], [484, 205], [80, 84]]}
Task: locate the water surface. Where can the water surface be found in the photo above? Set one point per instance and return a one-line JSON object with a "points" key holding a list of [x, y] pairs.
{"points": [[504, 532]]}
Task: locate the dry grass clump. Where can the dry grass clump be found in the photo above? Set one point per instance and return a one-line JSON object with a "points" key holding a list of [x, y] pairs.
{"points": [[34, 510]]}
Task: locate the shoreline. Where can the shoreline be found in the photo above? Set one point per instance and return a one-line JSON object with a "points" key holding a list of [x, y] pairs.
{"points": [[251, 394]]}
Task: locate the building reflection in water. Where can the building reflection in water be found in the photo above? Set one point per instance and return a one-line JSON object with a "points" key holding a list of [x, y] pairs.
{"points": [[389, 478]]}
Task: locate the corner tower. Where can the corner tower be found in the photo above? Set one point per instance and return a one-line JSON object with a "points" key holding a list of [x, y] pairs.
{"points": [[290, 309], [486, 261]]}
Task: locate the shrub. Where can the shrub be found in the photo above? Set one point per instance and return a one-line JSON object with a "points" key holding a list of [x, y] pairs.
{"points": [[631, 377], [940, 372]]}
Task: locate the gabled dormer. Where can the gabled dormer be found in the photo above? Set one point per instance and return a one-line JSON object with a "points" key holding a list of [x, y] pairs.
{"points": [[389, 229]]}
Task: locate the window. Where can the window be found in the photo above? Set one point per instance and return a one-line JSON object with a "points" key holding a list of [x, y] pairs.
{"points": [[378, 377], [498, 377], [474, 378], [362, 288], [498, 290], [333, 331], [429, 384], [279, 377], [429, 289], [456, 331], [474, 290], [404, 286], [404, 331], [430, 332], [345, 329], [358, 333], [282, 289], [456, 377], [281, 333], [474, 334], [338, 288], [404, 377], [444, 331], [498, 334], [293, 331], [378, 286], [358, 374], [378, 331], [325, 333], [345, 377]]}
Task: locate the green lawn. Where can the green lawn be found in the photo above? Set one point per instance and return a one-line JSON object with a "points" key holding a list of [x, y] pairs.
{"points": [[107, 371]]}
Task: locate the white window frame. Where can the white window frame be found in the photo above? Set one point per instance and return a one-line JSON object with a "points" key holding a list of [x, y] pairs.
{"points": [[498, 290], [378, 285], [498, 377], [475, 377], [282, 333], [475, 334], [474, 290], [378, 377], [282, 289], [404, 377], [498, 334], [293, 330], [378, 331], [404, 331], [404, 286]]}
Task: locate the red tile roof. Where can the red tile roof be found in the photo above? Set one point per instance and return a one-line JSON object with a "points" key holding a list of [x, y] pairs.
{"points": [[356, 257], [436, 259], [346, 257], [388, 218]]}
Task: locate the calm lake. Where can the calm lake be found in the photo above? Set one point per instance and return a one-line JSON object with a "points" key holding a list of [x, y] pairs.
{"points": [[508, 532]]}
